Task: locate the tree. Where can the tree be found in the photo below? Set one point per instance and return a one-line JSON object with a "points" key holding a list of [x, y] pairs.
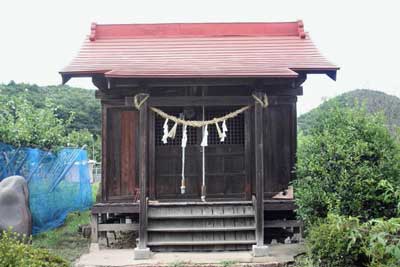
{"points": [[67, 99], [23, 124], [348, 164]]}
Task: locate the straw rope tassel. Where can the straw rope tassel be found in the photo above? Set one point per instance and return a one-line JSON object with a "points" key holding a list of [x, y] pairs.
{"points": [[221, 134], [204, 142], [165, 131], [172, 133]]}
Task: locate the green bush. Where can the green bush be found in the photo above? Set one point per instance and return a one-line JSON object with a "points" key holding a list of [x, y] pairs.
{"points": [[14, 252], [336, 243], [382, 242], [23, 124], [343, 241], [348, 164]]}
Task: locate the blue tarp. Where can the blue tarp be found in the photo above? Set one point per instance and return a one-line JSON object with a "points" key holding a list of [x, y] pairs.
{"points": [[58, 183]]}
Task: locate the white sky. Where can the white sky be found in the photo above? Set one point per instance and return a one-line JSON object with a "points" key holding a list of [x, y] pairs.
{"points": [[38, 38]]}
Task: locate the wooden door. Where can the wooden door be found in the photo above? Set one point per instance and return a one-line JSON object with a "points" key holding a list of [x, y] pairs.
{"points": [[225, 168], [119, 153], [226, 176], [168, 161]]}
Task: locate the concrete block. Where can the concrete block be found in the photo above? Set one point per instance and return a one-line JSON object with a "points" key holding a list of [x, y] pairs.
{"points": [[94, 247], [141, 253], [260, 251]]}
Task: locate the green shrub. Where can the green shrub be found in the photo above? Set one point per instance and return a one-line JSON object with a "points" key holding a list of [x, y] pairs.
{"points": [[382, 242], [344, 241], [336, 243], [14, 252], [348, 164]]}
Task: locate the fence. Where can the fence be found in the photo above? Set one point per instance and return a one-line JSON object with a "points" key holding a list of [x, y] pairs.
{"points": [[58, 182]]}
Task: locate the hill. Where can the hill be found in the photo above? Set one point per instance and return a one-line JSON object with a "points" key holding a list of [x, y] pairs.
{"points": [[374, 101], [81, 102]]}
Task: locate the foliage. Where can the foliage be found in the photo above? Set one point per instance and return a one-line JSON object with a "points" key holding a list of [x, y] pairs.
{"points": [[14, 252], [177, 264], [84, 138], [228, 263], [373, 101], [348, 164], [23, 124], [382, 242], [344, 241], [335, 243], [66, 241], [81, 102]]}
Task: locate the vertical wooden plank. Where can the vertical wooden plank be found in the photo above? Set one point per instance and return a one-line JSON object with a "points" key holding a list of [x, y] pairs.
{"points": [[94, 226], [247, 154], [152, 148], [279, 144], [259, 164], [113, 177], [104, 154], [143, 152], [293, 137], [128, 152]]}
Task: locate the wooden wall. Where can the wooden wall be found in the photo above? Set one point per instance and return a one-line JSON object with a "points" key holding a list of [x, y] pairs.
{"points": [[120, 137], [120, 153], [280, 124]]}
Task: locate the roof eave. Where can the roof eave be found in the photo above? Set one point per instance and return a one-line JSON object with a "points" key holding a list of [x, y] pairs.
{"points": [[67, 75], [330, 72]]}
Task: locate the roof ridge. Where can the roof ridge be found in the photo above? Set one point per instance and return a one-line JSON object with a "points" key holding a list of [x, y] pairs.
{"points": [[197, 29]]}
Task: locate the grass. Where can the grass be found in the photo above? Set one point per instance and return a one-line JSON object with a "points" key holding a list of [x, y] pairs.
{"points": [[66, 241], [177, 264], [95, 189], [228, 263]]}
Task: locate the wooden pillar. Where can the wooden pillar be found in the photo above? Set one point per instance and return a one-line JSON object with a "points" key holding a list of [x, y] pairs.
{"points": [[259, 164], [94, 226], [143, 157]]}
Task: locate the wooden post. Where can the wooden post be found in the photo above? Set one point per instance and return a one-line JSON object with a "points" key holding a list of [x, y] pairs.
{"points": [[94, 226], [259, 164], [143, 156]]}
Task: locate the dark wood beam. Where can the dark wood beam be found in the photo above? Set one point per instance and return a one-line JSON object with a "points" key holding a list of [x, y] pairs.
{"points": [[100, 82], [196, 101], [128, 207], [179, 82], [259, 165], [201, 100], [143, 152], [276, 205]]}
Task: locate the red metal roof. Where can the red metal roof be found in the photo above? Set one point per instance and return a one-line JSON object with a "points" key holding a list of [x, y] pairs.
{"points": [[194, 50]]}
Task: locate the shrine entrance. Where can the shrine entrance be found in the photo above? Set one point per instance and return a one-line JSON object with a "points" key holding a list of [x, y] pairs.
{"points": [[218, 171]]}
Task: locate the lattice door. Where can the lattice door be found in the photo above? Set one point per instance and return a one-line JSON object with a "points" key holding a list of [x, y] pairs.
{"points": [[225, 161]]}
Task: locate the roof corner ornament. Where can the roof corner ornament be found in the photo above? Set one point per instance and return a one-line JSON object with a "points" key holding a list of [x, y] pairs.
{"points": [[302, 34], [92, 36]]}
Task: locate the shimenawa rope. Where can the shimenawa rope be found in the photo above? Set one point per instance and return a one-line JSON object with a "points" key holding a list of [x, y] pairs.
{"points": [[171, 134]]}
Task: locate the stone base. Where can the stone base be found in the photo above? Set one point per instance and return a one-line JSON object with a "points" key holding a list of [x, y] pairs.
{"points": [[94, 247], [141, 253], [260, 251]]}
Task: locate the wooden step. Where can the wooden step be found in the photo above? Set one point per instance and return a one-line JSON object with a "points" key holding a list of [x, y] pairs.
{"points": [[201, 212], [202, 243], [206, 216], [202, 229], [198, 203]]}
